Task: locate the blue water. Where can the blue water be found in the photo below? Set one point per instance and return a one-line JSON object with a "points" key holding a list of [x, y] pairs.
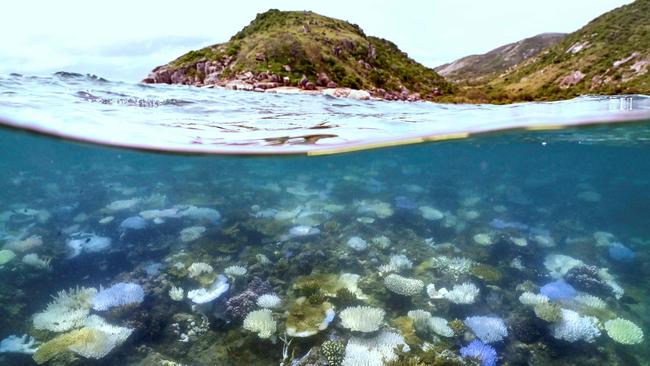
{"points": [[509, 204]]}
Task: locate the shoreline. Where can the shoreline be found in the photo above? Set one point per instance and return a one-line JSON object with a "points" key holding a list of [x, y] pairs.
{"points": [[271, 83], [333, 92]]}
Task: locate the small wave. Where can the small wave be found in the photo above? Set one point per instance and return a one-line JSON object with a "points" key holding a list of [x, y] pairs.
{"points": [[74, 75], [192, 120], [130, 101]]}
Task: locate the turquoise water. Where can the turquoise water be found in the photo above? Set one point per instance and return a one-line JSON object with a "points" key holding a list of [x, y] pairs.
{"points": [[375, 228]]}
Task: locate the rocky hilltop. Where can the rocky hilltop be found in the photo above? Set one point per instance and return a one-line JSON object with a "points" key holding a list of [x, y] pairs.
{"points": [[609, 55], [477, 69], [305, 50]]}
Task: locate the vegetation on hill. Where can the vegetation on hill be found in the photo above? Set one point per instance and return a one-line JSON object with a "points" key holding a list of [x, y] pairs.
{"points": [[609, 55], [479, 69], [293, 44]]}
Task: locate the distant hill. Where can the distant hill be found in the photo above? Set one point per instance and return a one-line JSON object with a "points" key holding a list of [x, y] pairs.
{"points": [[476, 69], [609, 55], [308, 50]]}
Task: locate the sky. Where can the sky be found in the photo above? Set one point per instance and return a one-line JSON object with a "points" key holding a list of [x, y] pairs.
{"points": [[124, 40]]}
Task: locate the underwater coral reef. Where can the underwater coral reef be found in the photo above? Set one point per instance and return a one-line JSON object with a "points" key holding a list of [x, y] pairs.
{"points": [[461, 253]]}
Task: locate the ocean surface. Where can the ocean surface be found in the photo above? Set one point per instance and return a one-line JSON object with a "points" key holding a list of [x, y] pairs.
{"points": [[169, 225]]}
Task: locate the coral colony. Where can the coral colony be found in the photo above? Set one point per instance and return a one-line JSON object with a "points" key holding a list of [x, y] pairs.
{"points": [[312, 269]]}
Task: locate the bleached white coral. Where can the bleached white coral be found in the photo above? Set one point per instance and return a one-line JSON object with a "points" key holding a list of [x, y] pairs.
{"points": [[269, 301], [176, 293], [558, 264], [87, 243], [123, 204], [106, 338], [624, 331], [430, 213], [435, 294], [603, 238], [32, 259], [6, 256], [487, 329], [590, 301], [201, 213], [529, 298], [397, 263], [350, 281], [462, 294], [403, 285], [19, 246], [379, 209], [357, 244], [573, 327], [383, 242], [608, 278], [192, 233], [119, 294], [544, 240], [362, 318], [68, 310], [375, 351], [235, 271], [14, 344], [202, 295], [198, 268], [484, 239], [454, 266], [440, 326], [420, 318], [261, 322]]}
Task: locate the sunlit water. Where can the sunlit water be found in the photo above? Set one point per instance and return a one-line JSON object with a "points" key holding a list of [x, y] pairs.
{"points": [[522, 209]]}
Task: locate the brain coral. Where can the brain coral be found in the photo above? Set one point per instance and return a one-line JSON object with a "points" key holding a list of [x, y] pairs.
{"points": [[402, 285]]}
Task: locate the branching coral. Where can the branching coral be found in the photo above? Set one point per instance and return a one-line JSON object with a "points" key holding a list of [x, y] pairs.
{"points": [[68, 310], [261, 322], [487, 329], [573, 327]]}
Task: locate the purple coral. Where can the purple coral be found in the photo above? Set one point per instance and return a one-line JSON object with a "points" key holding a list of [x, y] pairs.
{"points": [[480, 351], [558, 290], [587, 278], [239, 305], [259, 286]]}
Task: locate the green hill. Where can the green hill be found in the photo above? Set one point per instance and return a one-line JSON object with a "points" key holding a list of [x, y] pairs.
{"points": [[476, 69], [610, 55], [281, 47]]}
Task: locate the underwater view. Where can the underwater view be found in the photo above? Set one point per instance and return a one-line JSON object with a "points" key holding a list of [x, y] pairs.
{"points": [[518, 248], [498, 249], [325, 183]]}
